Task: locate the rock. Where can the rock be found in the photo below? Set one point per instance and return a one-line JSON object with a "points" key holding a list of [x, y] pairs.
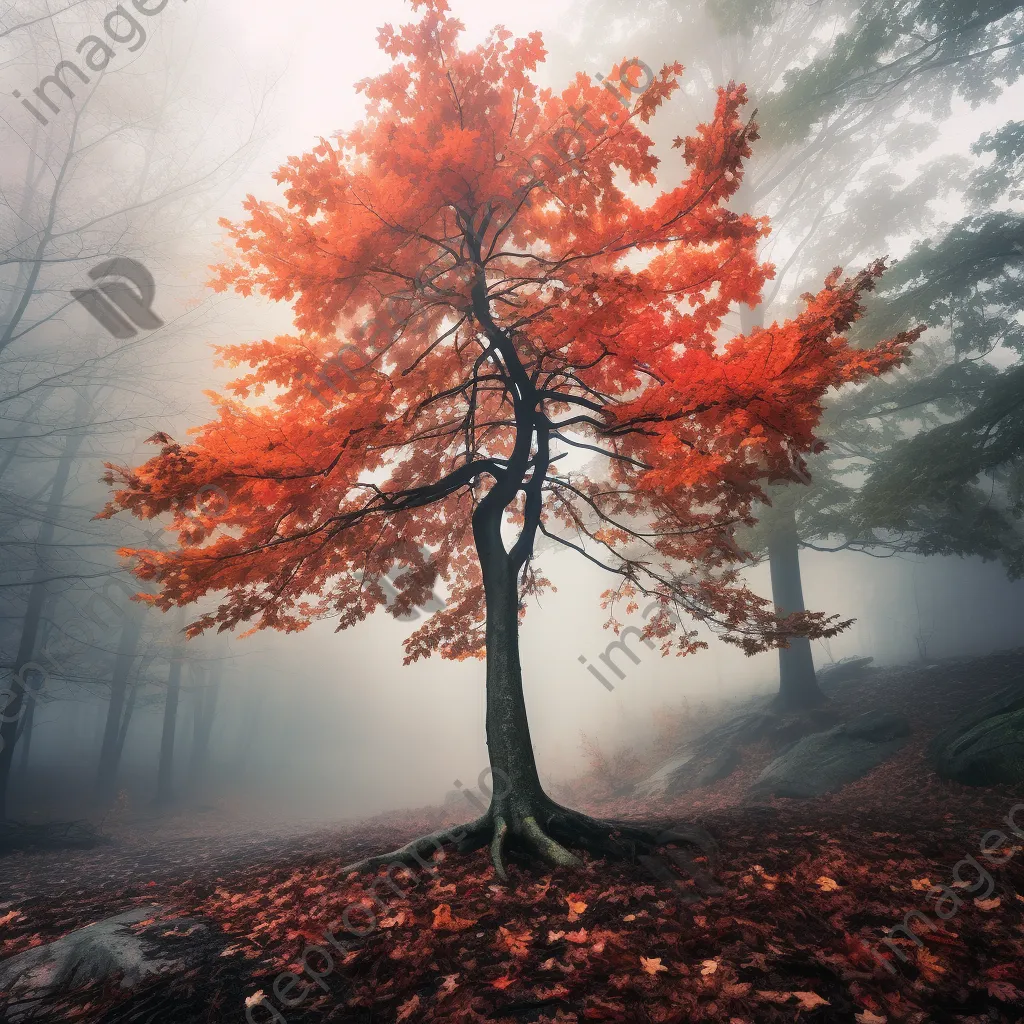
{"points": [[877, 726], [842, 671], [721, 767], [665, 778], [716, 754], [107, 949], [826, 761], [990, 753], [1006, 701]]}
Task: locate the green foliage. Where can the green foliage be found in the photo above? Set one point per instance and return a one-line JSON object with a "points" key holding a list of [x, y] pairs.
{"points": [[937, 48]]}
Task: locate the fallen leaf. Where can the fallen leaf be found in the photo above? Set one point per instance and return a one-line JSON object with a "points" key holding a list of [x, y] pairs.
{"points": [[920, 884], [653, 965], [929, 965], [826, 884], [809, 1000], [449, 985], [1003, 991], [408, 1008], [987, 904], [578, 937], [444, 922], [503, 982], [709, 967], [517, 943], [734, 990], [254, 999], [867, 1017]]}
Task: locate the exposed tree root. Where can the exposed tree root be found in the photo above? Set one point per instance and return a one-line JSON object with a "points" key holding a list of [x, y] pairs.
{"points": [[541, 829]]}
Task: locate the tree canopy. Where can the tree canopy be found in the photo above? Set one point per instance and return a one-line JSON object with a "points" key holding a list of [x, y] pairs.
{"points": [[514, 326]]}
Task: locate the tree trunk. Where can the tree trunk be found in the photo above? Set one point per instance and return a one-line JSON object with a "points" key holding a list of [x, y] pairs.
{"points": [[126, 718], [25, 739], [165, 773], [204, 709], [106, 777], [798, 685], [510, 749]]}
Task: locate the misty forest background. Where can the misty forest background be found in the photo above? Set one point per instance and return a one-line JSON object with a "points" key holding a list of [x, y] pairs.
{"points": [[886, 129]]}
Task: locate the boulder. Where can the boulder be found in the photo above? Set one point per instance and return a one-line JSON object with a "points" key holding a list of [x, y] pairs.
{"points": [[826, 761], [666, 778], [716, 754], [830, 677], [990, 753], [107, 949], [1006, 701]]}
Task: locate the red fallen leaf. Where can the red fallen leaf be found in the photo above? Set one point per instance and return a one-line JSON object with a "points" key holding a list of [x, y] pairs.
{"points": [[576, 906], [444, 922], [449, 985], [579, 937], [929, 966], [503, 982], [408, 1008], [518, 944], [1003, 991], [736, 990], [558, 992]]}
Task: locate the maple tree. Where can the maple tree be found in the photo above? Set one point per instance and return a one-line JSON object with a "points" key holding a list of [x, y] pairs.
{"points": [[515, 313]]}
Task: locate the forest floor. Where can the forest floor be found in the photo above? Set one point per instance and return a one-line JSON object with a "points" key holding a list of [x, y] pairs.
{"points": [[811, 888]]}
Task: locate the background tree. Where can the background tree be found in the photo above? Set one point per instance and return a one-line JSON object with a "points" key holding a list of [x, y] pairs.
{"points": [[957, 485], [848, 97], [512, 335], [121, 172]]}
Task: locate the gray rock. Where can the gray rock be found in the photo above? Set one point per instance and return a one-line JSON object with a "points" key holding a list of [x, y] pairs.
{"points": [[1007, 700], [832, 676], [990, 753], [826, 761], [666, 777], [720, 767], [107, 949], [878, 726]]}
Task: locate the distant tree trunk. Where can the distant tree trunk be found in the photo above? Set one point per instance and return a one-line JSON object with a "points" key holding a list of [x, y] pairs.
{"points": [[204, 709], [23, 664], [165, 773], [254, 700], [798, 685], [106, 778], [25, 738], [126, 718]]}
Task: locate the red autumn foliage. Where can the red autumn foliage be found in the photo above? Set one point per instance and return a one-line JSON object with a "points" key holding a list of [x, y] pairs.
{"points": [[499, 316]]}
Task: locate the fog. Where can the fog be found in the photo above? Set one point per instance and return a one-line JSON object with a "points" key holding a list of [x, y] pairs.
{"points": [[321, 724]]}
